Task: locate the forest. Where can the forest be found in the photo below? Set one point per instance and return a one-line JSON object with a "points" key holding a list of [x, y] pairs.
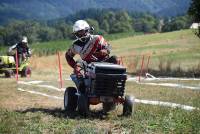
{"points": [[107, 21]]}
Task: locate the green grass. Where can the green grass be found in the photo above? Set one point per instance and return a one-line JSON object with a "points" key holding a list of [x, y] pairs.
{"points": [[115, 36], [180, 47], [51, 47], [19, 122], [178, 39], [146, 119], [34, 117]]}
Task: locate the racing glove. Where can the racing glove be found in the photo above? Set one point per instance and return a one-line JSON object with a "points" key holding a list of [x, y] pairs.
{"points": [[77, 71], [102, 53]]}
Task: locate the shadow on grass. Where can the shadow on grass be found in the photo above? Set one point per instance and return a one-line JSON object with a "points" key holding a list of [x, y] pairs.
{"points": [[60, 113]]}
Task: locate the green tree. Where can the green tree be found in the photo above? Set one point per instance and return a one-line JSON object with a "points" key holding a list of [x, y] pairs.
{"points": [[148, 27], [47, 34], [177, 23], [15, 30], [2, 36], [110, 18], [105, 26], [94, 24], [145, 23], [64, 29], [194, 11], [123, 23]]}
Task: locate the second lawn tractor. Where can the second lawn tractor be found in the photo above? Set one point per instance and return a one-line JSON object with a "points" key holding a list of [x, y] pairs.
{"points": [[8, 67]]}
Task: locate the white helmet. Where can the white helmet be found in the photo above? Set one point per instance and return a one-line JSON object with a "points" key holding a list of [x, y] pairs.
{"points": [[24, 39], [81, 30], [80, 25]]}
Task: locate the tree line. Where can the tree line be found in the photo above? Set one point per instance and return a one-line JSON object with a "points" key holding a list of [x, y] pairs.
{"points": [[194, 12], [104, 21]]}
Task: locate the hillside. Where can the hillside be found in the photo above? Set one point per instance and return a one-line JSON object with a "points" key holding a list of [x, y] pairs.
{"points": [[50, 9]]}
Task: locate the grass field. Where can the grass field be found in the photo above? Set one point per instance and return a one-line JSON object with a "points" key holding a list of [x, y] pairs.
{"points": [[180, 49], [50, 48], [172, 50], [170, 53], [23, 112]]}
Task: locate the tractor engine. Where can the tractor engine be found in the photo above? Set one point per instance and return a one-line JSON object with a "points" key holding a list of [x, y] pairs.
{"points": [[107, 79], [7, 61]]}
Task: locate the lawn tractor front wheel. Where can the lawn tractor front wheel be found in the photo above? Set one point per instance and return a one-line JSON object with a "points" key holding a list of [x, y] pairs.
{"points": [[83, 105], [70, 99], [26, 71]]}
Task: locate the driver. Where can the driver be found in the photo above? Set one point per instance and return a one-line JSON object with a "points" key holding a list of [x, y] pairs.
{"points": [[91, 48], [23, 50]]}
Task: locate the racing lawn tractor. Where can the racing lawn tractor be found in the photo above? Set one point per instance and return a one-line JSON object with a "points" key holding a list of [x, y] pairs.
{"points": [[101, 83], [8, 67]]}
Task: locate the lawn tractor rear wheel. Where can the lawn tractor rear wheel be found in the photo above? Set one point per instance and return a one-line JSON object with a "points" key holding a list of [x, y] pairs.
{"points": [[9, 73], [70, 99], [128, 106]]}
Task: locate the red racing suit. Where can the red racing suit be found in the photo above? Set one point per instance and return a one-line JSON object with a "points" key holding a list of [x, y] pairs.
{"points": [[88, 51]]}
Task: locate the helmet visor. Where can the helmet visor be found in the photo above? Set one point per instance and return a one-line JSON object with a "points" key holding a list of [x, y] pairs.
{"points": [[81, 33]]}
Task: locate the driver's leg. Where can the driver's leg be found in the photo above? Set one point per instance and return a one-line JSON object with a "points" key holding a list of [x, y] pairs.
{"points": [[20, 58], [81, 85], [80, 77]]}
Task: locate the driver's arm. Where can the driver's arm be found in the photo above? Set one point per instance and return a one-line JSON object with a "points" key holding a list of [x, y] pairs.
{"points": [[104, 48], [69, 58], [28, 51], [12, 48]]}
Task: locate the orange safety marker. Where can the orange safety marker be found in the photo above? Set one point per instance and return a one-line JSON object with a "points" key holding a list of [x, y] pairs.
{"points": [[141, 70], [121, 61], [17, 63], [60, 70], [147, 64], [118, 61]]}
